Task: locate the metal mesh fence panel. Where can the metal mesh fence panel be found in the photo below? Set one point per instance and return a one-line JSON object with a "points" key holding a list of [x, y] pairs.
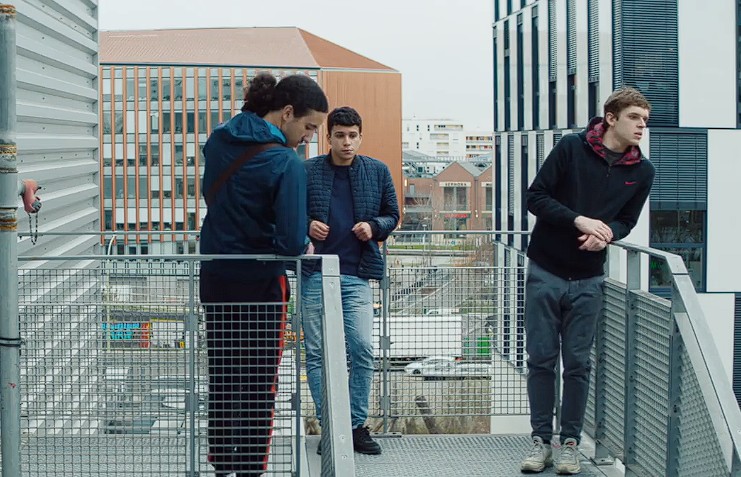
{"points": [[115, 375], [452, 331], [699, 450], [653, 329], [614, 366]]}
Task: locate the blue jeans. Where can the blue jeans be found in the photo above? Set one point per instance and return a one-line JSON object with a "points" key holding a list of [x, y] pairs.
{"points": [[566, 309], [357, 313]]}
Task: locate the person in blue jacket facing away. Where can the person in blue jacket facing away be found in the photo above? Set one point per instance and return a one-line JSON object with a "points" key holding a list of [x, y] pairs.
{"points": [[255, 188], [352, 206]]}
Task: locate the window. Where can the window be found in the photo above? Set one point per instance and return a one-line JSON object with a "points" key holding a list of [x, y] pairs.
{"points": [[524, 183], [678, 226], [106, 122], [593, 56], [507, 81], [202, 87], [142, 85], [681, 232], [130, 85], [143, 154], [552, 63], [178, 89], [649, 61], [535, 39], [214, 85], [189, 86], [107, 187], [681, 161], [202, 122], [497, 183], [455, 198], [190, 122], [571, 101], [117, 84], [693, 258], [191, 188], [738, 63], [166, 86], [166, 122], [520, 75], [154, 94], [226, 87], [454, 223]]}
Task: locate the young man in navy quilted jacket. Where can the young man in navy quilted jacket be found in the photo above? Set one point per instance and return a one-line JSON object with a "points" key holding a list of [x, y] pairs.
{"points": [[351, 207]]}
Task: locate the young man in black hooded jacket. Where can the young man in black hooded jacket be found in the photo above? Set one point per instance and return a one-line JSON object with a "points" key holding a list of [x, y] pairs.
{"points": [[589, 192]]}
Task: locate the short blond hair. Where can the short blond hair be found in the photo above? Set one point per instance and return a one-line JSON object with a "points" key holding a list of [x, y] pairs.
{"points": [[624, 98]]}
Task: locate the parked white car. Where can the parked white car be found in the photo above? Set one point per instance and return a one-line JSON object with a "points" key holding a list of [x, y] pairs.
{"points": [[441, 367]]}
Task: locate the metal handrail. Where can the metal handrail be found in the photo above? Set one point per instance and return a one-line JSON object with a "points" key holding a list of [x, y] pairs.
{"points": [[695, 334]]}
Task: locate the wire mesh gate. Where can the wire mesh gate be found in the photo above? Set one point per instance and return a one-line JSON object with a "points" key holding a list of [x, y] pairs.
{"points": [[115, 374]]}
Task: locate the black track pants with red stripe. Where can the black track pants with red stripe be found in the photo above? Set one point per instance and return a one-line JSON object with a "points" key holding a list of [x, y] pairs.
{"points": [[245, 320]]}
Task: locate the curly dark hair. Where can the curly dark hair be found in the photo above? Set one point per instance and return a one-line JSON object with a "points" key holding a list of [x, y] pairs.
{"points": [[265, 93], [344, 116]]}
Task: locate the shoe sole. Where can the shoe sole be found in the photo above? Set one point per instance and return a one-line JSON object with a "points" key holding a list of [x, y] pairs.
{"points": [[536, 470], [568, 470], [378, 452]]}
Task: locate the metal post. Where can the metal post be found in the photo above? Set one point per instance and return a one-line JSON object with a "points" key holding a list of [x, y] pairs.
{"points": [[336, 425], [191, 327], [10, 341], [385, 342], [633, 282]]}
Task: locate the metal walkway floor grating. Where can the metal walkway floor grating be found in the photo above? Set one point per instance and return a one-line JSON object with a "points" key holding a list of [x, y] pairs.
{"points": [[449, 456]]}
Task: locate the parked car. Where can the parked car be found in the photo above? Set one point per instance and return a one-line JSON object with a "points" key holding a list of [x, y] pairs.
{"points": [[418, 367], [443, 367]]}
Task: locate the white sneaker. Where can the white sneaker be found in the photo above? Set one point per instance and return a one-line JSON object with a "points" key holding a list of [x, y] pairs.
{"points": [[539, 457], [568, 458]]}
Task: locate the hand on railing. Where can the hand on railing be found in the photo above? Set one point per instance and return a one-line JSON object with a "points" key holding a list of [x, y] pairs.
{"points": [[594, 227], [591, 243]]}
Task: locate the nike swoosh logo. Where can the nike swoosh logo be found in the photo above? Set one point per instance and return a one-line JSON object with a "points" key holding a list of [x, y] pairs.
{"points": [[631, 182]]}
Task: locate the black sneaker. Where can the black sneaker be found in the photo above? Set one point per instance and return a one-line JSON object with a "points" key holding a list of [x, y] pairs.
{"points": [[362, 442]]}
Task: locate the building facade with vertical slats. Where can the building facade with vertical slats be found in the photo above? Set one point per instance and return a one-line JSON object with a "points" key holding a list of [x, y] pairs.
{"points": [[163, 91], [685, 56], [57, 137], [57, 113]]}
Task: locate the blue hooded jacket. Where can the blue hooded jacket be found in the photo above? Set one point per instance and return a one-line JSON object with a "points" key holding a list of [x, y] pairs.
{"points": [[261, 208]]}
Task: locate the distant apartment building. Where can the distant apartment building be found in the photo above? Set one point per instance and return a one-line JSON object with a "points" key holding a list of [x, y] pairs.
{"points": [[556, 62], [163, 92], [444, 138], [459, 197]]}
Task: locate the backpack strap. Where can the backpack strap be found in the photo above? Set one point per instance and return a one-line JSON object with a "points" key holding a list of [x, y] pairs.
{"points": [[251, 151]]}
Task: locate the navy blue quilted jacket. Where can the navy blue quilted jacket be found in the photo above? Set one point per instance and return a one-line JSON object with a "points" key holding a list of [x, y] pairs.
{"points": [[374, 201]]}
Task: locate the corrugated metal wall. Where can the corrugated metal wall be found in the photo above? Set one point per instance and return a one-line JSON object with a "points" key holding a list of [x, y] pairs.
{"points": [[57, 71]]}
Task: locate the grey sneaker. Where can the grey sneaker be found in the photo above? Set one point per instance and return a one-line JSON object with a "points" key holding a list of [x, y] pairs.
{"points": [[568, 459], [539, 457]]}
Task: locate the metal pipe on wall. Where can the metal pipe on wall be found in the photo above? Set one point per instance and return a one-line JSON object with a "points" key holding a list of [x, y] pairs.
{"points": [[10, 403]]}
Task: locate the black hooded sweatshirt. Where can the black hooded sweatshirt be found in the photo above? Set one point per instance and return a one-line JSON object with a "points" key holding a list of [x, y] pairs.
{"points": [[576, 179]]}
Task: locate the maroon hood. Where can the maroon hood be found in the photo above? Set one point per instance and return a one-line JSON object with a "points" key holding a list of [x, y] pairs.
{"points": [[595, 133]]}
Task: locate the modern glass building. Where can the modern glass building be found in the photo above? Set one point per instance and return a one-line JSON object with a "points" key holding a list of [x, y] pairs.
{"points": [[556, 61]]}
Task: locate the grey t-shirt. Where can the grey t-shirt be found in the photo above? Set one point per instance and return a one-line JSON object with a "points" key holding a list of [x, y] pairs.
{"points": [[611, 156]]}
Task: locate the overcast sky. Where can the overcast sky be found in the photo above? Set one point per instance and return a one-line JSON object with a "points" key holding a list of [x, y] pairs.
{"points": [[441, 47]]}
